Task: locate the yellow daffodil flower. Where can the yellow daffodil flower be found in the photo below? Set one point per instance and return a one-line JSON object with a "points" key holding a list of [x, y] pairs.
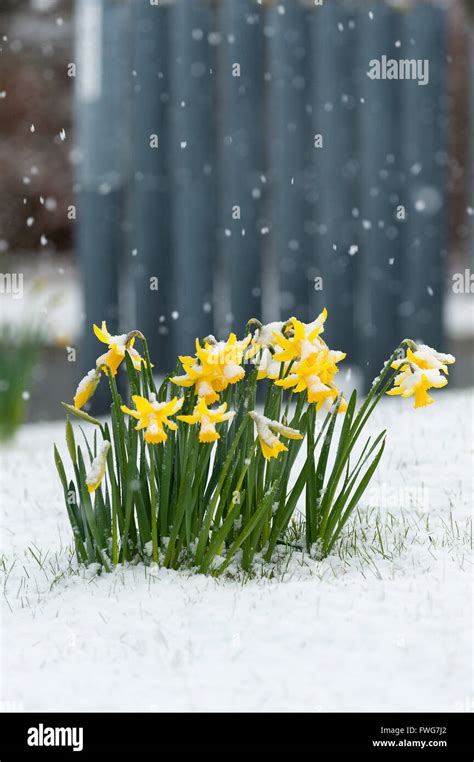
{"points": [[422, 369], [207, 420], [86, 388], [305, 380], [109, 361], [118, 345], [153, 416], [303, 340], [264, 339], [309, 364], [198, 376], [315, 375], [268, 367], [216, 365], [426, 358], [270, 445], [265, 335], [225, 357], [98, 466], [417, 382]]}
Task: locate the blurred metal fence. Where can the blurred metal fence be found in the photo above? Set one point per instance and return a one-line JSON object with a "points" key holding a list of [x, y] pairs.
{"points": [[238, 152]]}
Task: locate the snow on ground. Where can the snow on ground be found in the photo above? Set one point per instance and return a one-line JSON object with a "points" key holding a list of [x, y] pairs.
{"points": [[345, 634]]}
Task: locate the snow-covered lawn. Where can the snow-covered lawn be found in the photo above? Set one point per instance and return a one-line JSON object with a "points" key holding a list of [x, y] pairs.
{"points": [[388, 627]]}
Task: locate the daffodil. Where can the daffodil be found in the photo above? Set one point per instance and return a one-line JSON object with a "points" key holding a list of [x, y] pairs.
{"points": [[315, 376], [417, 382], [301, 360], [225, 357], [86, 388], [422, 369], [302, 341], [98, 466], [267, 366], [265, 335], [216, 365], [118, 345], [318, 392], [109, 361], [270, 445], [207, 420], [198, 376], [426, 358], [264, 342], [153, 416]]}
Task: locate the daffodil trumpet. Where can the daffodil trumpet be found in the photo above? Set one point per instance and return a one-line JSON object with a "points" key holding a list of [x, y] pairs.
{"points": [[193, 473]]}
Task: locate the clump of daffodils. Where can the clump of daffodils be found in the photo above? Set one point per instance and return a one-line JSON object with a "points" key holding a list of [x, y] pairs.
{"points": [[194, 472], [309, 365]]}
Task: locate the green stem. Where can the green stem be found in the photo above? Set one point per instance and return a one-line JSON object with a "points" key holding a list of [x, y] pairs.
{"points": [[147, 369], [154, 527], [209, 515], [372, 399], [114, 533]]}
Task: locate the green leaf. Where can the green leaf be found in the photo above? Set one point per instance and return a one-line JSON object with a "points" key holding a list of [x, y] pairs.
{"points": [[284, 513], [189, 465], [74, 519], [218, 538], [81, 414], [70, 441], [250, 526], [350, 482], [209, 515], [89, 513], [311, 481], [328, 541], [128, 488], [60, 468], [346, 426], [132, 375], [321, 505]]}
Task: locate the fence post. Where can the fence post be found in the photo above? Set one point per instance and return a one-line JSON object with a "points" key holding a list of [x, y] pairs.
{"points": [[378, 287], [194, 170], [241, 156], [103, 71], [151, 241], [425, 159], [336, 166], [289, 135]]}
